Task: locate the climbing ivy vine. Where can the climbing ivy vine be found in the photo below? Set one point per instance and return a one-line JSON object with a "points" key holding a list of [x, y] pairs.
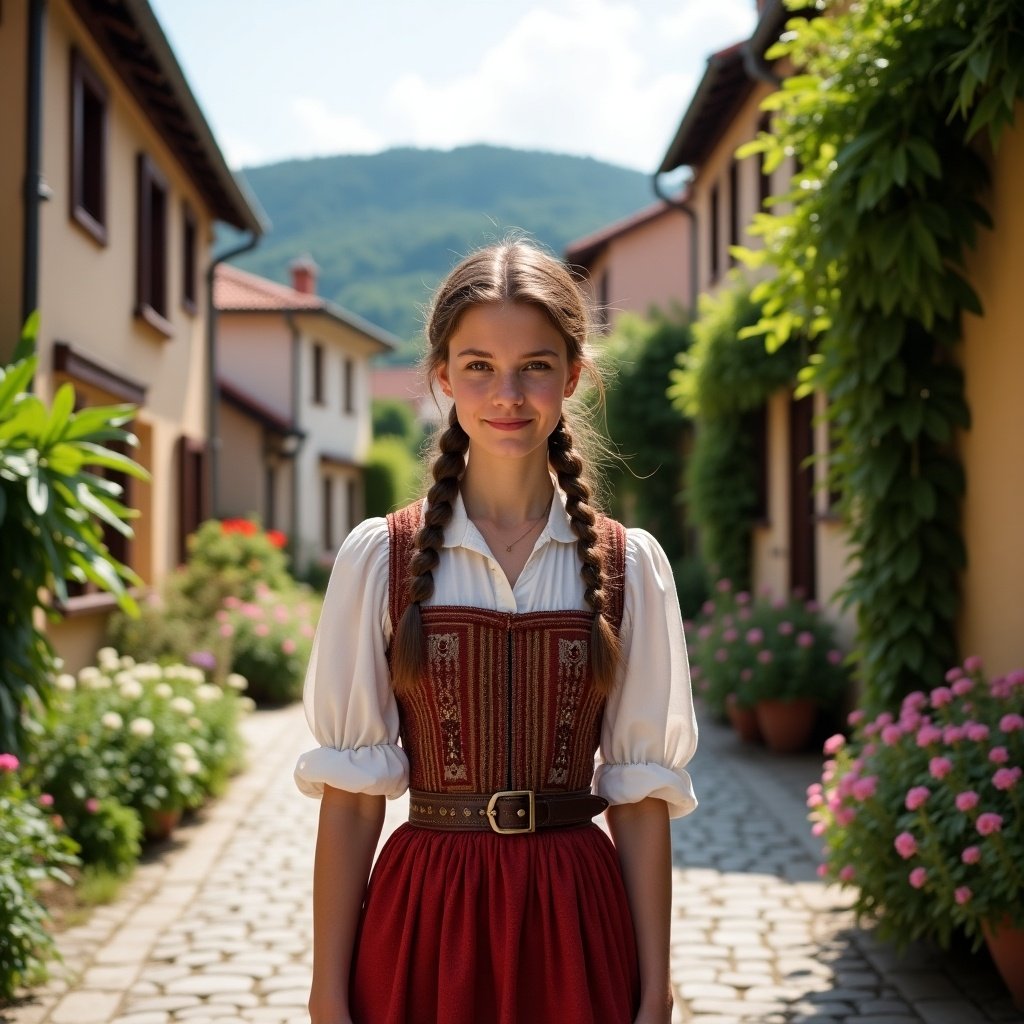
{"points": [[889, 115]]}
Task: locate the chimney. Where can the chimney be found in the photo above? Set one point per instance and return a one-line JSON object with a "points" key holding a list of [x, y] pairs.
{"points": [[304, 271]]}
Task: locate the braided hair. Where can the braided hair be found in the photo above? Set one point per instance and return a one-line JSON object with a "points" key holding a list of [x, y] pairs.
{"points": [[511, 271]]}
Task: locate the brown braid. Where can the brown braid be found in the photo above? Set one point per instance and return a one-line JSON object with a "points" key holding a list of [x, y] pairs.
{"points": [[605, 649], [407, 661]]}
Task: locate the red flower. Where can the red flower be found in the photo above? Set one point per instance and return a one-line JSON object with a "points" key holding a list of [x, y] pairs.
{"points": [[277, 538]]}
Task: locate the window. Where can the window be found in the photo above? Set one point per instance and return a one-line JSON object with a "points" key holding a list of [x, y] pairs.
{"points": [[757, 431], [764, 178], [318, 373], [734, 208], [327, 512], [193, 490], [348, 371], [88, 149], [189, 289], [713, 227], [151, 252], [353, 497]]}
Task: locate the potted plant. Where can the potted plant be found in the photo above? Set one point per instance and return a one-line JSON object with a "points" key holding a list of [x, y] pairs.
{"points": [[921, 812], [768, 665]]}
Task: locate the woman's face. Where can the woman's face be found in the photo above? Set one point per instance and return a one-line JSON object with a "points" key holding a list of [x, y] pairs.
{"points": [[508, 373]]}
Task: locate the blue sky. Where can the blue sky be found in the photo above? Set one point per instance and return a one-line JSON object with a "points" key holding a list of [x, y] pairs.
{"points": [[297, 78]]}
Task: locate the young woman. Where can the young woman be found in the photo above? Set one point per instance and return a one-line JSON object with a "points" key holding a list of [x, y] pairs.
{"points": [[480, 648]]}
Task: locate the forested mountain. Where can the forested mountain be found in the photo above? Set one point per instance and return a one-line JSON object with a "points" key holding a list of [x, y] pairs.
{"points": [[385, 228]]}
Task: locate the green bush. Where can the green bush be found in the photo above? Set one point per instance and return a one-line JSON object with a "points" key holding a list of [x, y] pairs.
{"points": [[392, 476], [54, 505], [271, 638], [755, 649], [33, 848], [109, 835]]}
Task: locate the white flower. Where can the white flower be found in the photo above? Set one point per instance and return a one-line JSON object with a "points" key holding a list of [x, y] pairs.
{"points": [[191, 766], [127, 661], [163, 691], [93, 679], [237, 682], [66, 682], [183, 704], [195, 675], [195, 724], [108, 659], [141, 727], [247, 703], [131, 689], [183, 750], [208, 692], [112, 720], [148, 671]]}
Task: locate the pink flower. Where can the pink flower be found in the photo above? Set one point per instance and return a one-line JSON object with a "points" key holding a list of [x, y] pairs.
{"points": [[855, 717], [743, 597], [976, 731], [818, 828], [845, 816], [746, 674], [941, 696], [846, 873], [927, 735], [988, 823], [705, 632], [1006, 778], [963, 686], [973, 663], [226, 629], [721, 655], [231, 601], [288, 645], [755, 636], [906, 845], [940, 767], [952, 734], [805, 639], [262, 629], [916, 796], [865, 788], [891, 734], [252, 611], [8, 763], [962, 895], [835, 657], [822, 870], [834, 744], [971, 855], [306, 630], [92, 805], [731, 635], [916, 700], [954, 674], [45, 800], [999, 755], [918, 877], [708, 608], [967, 800], [785, 628], [1011, 723], [723, 586], [815, 799], [765, 657]]}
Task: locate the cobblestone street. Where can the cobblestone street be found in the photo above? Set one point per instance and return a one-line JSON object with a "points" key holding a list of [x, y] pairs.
{"points": [[217, 929]]}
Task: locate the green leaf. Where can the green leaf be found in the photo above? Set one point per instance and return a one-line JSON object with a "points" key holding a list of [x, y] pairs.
{"points": [[61, 409], [27, 342], [925, 156], [37, 492]]}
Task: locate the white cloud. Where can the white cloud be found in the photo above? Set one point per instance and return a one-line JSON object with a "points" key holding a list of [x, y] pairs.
{"points": [[572, 80], [324, 131]]}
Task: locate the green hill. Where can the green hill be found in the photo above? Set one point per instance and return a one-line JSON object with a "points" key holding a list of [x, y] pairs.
{"points": [[385, 228]]}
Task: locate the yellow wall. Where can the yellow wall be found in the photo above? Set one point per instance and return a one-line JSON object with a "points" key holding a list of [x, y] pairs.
{"points": [[992, 616], [770, 561], [12, 171]]}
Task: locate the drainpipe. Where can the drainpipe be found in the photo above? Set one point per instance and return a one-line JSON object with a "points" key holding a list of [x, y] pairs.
{"points": [[35, 189], [213, 397], [757, 68], [296, 354], [690, 212]]}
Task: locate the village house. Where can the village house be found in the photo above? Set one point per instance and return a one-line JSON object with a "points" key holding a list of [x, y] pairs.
{"points": [[109, 194], [294, 412]]}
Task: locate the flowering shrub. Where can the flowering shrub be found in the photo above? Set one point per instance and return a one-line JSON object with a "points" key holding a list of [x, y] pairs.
{"points": [[922, 811], [758, 648], [138, 736], [271, 638], [33, 847]]}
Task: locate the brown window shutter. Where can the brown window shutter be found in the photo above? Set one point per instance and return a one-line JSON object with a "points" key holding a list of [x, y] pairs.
{"points": [[193, 490]]}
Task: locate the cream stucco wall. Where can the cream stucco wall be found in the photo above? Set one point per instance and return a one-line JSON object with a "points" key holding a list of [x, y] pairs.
{"points": [[254, 351], [241, 488], [647, 267], [12, 171], [770, 561], [992, 614]]}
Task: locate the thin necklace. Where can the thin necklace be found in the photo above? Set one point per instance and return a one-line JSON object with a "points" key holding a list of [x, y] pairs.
{"points": [[533, 526]]}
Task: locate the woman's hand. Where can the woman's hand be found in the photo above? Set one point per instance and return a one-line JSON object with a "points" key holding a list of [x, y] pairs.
{"points": [[327, 1007]]}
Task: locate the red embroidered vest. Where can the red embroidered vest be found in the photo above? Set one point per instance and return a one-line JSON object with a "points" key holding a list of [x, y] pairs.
{"points": [[507, 700]]}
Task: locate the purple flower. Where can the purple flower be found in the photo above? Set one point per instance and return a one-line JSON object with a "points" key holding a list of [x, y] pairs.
{"points": [[966, 801], [916, 796], [203, 659], [1006, 778], [988, 823], [906, 845], [918, 877]]}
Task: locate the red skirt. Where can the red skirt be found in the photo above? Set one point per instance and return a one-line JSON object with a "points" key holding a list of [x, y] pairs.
{"points": [[477, 928]]}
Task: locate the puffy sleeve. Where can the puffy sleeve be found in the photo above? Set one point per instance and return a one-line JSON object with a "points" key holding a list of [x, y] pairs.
{"points": [[349, 703], [649, 731]]}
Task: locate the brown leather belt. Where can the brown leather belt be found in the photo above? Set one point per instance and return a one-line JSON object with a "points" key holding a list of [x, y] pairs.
{"points": [[509, 812]]}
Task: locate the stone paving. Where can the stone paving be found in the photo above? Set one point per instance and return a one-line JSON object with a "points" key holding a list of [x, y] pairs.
{"points": [[216, 928]]}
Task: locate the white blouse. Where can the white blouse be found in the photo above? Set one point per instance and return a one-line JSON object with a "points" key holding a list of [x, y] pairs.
{"points": [[648, 733]]}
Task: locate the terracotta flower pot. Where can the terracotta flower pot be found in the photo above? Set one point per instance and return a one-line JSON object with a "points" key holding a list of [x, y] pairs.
{"points": [[786, 725], [1006, 946], [743, 720], [159, 824]]}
